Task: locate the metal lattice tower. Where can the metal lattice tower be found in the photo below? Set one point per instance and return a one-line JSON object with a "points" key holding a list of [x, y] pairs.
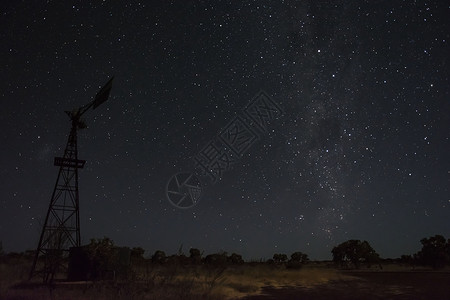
{"points": [[61, 229]]}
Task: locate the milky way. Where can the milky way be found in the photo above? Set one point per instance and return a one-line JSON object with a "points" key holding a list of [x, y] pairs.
{"points": [[360, 150]]}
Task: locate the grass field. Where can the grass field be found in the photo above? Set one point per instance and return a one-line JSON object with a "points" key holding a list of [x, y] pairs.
{"points": [[250, 281]]}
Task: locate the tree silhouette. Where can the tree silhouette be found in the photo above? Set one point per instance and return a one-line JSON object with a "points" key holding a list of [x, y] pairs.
{"points": [[216, 259], [298, 259], [159, 257], [356, 252], [102, 255], [137, 253], [195, 256], [280, 258], [435, 252], [406, 259], [235, 259]]}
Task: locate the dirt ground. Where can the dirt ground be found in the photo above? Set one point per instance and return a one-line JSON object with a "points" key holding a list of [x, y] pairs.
{"points": [[370, 285], [261, 281]]}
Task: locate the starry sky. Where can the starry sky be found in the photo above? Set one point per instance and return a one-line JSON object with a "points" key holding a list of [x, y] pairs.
{"points": [[359, 150]]}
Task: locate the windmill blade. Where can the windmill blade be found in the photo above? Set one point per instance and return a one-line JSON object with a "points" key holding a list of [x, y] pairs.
{"points": [[100, 98], [103, 94]]}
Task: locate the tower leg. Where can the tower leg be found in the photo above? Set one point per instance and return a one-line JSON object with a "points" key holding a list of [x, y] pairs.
{"points": [[61, 229]]}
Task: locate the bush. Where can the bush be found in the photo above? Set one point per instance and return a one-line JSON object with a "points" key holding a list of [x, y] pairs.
{"points": [[435, 252], [159, 257], [279, 258], [195, 256], [298, 259]]}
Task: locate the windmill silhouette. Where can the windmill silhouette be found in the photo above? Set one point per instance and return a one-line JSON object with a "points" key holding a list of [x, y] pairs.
{"points": [[61, 229]]}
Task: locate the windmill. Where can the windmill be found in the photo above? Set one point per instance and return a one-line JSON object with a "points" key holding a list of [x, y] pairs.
{"points": [[61, 229]]}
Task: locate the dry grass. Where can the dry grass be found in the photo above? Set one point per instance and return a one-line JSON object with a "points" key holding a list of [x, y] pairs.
{"points": [[249, 280], [168, 282]]}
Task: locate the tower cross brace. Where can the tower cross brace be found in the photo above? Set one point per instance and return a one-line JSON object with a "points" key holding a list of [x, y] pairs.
{"points": [[61, 229]]}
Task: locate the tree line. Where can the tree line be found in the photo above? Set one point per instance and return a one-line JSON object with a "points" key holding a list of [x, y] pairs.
{"points": [[435, 253]]}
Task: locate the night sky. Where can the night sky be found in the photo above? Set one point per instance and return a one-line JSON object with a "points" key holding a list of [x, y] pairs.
{"points": [[358, 150]]}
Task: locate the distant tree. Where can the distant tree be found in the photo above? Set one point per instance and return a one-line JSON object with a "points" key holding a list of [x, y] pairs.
{"points": [[102, 255], [298, 259], [435, 252], [137, 252], [178, 260], [235, 259], [406, 259], [216, 259], [280, 258], [195, 255], [2, 253], [159, 257], [356, 252]]}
